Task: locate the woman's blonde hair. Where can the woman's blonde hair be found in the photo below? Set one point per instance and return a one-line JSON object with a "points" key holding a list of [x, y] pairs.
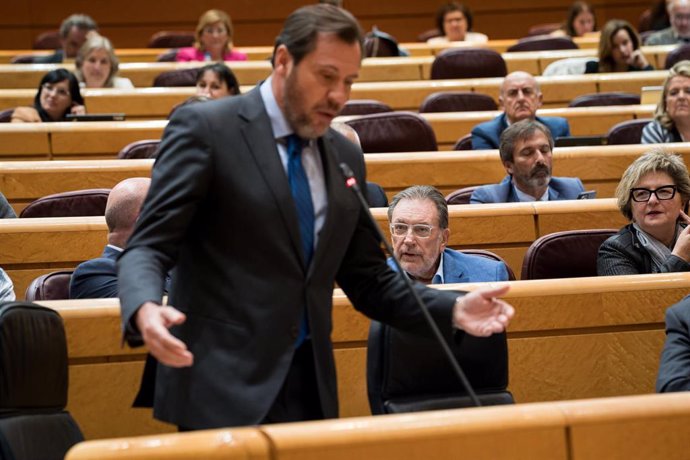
{"points": [[211, 17], [95, 42], [680, 69], [655, 160]]}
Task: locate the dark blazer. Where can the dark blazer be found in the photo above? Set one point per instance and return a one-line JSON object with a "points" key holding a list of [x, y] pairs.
{"points": [[55, 58], [593, 67], [220, 208], [560, 188], [487, 135], [674, 369], [622, 254], [96, 278]]}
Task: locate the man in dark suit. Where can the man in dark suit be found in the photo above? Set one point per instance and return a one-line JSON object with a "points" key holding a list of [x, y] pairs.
{"points": [[674, 369], [73, 33], [248, 203], [97, 278], [520, 97], [526, 153]]}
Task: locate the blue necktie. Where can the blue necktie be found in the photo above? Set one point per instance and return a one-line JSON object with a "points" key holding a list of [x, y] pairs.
{"points": [[299, 186]]}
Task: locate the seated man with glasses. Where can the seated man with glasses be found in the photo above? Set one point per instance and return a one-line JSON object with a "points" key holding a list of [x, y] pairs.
{"points": [[418, 219], [652, 194]]}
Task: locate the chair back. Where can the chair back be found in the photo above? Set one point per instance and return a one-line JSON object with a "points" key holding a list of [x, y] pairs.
{"points": [[464, 143], [394, 132], [6, 115], [544, 29], [51, 286], [408, 373], [376, 196], [172, 39], [457, 101], [88, 202], [680, 53], [605, 99], [380, 44], [461, 195], [427, 34], [179, 77], [23, 59], [168, 56], [49, 40], [542, 43], [364, 107], [140, 149], [568, 254], [627, 132], [33, 387], [468, 63]]}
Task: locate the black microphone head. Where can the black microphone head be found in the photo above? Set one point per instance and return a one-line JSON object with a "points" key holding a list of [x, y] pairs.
{"points": [[346, 170]]}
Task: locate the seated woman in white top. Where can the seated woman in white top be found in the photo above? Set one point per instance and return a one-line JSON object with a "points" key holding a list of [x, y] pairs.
{"points": [[455, 21], [97, 65]]}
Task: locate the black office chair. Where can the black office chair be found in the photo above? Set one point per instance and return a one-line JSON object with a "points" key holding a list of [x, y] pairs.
{"points": [[409, 373], [33, 387]]}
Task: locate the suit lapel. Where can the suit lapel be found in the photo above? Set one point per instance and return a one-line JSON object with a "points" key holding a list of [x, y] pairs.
{"points": [[259, 140], [338, 198]]}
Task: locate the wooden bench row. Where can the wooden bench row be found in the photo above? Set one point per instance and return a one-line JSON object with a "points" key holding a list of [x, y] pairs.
{"points": [[32, 247], [142, 74], [68, 140], [599, 168], [570, 339], [257, 53], [633, 427]]}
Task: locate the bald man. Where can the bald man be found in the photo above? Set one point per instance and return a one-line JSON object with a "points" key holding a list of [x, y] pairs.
{"points": [[679, 32], [97, 278], [520, 97]]}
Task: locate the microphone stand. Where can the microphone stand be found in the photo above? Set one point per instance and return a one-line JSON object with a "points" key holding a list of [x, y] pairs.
{"points": [[352, 184]]}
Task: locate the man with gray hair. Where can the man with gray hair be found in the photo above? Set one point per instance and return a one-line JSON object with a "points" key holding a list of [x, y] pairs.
{"points": [[418, 218], [520, 97], [526, 153], [679, 32], [73, 34]]}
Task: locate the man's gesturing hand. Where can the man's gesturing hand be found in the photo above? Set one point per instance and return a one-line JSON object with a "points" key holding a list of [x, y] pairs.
{"points": [[481, 314], [153, 322]]}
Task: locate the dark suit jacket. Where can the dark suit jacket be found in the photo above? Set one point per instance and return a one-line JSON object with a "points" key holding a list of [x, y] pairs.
{"points": [[220, 207], [96, 278], [560, 188], [55, 58], [674, 369], [487, 135]]}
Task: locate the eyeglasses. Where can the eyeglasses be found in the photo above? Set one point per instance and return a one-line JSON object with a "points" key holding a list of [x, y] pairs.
{"points": [[642, 195], [418, 230], [54, 89]]}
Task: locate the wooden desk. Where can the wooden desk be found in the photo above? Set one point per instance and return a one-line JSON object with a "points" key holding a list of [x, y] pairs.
{"points": [[610, 330], [66, 140]]}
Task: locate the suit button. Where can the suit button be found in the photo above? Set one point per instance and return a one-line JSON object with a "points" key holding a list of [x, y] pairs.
{"points": [[294, 332]]}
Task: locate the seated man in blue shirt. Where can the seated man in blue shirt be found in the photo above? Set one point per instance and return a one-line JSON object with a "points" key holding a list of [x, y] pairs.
{"points": [[520, 97], [526, 153], [418, 219], [97, 278]]}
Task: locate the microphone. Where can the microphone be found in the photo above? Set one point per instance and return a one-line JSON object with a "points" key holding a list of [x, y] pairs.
{"points": [[351, 183]]}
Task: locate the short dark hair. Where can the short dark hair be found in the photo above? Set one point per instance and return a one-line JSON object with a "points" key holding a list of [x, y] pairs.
{"points": [[423, 192], [80, 21], [573, 12], [224, 73], [56, 76], [518, 132], [449, 8], [301, 28]]}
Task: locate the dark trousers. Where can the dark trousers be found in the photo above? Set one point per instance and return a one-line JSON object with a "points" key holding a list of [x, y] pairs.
{"points": [[298, 399]]}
